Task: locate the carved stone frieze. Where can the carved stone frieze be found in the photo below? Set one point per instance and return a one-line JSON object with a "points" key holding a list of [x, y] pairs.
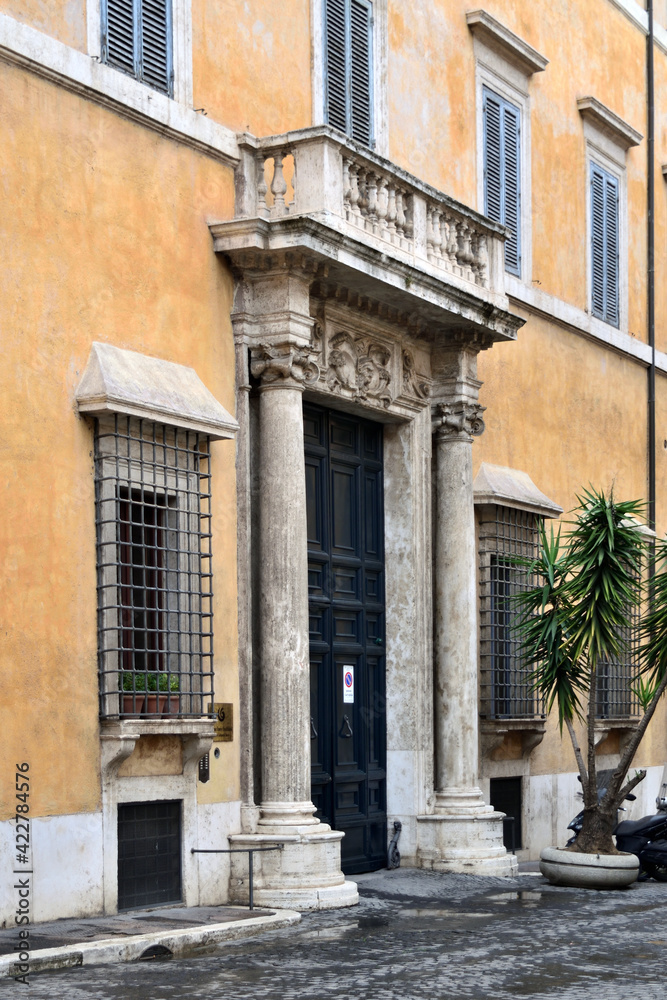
{"points": [[358, 367], [414, 383], [285, 365], [458, 421]]}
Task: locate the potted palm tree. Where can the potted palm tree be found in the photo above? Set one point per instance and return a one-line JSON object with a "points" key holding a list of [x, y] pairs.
{"points": [[573, 619]]}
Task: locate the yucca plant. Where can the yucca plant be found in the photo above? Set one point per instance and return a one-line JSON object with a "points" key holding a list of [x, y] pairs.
{"points": [[575, 618]]}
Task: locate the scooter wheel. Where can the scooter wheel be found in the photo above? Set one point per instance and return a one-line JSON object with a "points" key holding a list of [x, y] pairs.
{"points": [[658, 872]]}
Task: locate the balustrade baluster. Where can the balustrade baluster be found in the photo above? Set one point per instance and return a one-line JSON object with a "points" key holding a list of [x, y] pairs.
{"points": [[400, 215], [391, 210], [382, 207], [371, 222], [279, 185], [452, 242], [363, 196], [262, 207], [347, 189]]}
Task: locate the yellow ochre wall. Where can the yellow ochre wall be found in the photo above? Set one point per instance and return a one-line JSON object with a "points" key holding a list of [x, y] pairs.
{"points": [[107, 240], [111, 243]]}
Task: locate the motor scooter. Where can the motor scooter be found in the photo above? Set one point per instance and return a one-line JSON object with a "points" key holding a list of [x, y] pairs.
{"points": [[646, 837]]}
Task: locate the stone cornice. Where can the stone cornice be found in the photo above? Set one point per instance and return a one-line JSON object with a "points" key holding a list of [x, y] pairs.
{"points": [[437, 303], [503, 41], [22, 45], [608, 122]]}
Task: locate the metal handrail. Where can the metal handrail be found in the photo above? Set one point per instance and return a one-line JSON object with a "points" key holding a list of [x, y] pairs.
{"points": [[250, 851]]}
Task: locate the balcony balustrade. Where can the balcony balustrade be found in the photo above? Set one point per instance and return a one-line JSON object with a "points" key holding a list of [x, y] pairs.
{"points": [[319, 172]]}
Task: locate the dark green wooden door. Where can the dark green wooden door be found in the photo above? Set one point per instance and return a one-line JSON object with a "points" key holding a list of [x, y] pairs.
{"points": [[347, 631]]}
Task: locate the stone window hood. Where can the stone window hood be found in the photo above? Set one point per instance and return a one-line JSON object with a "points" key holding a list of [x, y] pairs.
{"points": [[120, 381], [498, 485]]}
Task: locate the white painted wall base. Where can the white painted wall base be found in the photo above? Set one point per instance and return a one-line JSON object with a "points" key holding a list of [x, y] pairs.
{"points": [[68, 862]]}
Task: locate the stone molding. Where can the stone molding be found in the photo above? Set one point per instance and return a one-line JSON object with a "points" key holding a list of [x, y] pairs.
{"points": [[80, 73], [461, 421], [505, 487], [608, 122], [500, 39], [283, 366], [120, 381]]}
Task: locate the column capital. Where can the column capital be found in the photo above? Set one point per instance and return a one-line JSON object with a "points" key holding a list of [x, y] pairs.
{"points": [[457, 421], [283, 366]]}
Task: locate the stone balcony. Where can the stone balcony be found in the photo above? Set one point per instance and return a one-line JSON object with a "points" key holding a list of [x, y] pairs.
{"points": [[371, 226]]}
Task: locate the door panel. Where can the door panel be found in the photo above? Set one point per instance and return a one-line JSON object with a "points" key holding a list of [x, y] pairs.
{"points": [[347, 631]]}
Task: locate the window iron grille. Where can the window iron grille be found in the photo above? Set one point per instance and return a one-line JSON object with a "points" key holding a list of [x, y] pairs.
{"points": [[505, 534], [615, 697], [154, 583]]}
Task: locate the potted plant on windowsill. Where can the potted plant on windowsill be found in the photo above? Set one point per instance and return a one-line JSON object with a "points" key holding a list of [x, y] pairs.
{"points": [[574, 619], [155, 699], [133, 688], [170, 683]]}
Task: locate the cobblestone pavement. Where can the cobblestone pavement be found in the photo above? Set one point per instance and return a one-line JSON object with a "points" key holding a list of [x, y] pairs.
{"points": [[417, 936]]}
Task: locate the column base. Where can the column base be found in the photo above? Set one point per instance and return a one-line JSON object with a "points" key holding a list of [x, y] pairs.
{"points": [[304, 875], [471, 844]]}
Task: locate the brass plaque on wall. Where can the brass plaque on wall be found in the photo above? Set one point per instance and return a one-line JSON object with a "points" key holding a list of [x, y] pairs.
{"points": [[223, 722]]}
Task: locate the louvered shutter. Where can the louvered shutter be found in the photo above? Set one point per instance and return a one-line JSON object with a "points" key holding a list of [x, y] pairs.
{"points": [[604, 245], [360, 71], [118, 35], [502, 171], [493, 206], [348, 67], [611, 247], [336, 64], [156, 44], [137, 38], [512, 188]]}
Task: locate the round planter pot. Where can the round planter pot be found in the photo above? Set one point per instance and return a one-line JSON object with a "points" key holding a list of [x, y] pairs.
{"points": [[588, 871]]}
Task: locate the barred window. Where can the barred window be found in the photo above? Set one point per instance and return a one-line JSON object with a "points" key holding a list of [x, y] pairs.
{"points": [[153, 515], [505, 533], [615, 698]]}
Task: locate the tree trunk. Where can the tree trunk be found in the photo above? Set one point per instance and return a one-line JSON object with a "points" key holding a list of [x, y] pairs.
{"points": [[596, 833]]}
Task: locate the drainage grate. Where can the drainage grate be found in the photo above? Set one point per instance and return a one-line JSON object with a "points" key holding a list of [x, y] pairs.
{"points": [[149, 854]]}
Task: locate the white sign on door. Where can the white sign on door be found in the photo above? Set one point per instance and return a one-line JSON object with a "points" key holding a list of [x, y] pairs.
{"points": [[348, 684]]}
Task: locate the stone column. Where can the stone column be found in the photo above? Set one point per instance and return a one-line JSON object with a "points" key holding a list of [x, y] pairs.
{"points": [[305, 873], [463, 833], [283, 591]]}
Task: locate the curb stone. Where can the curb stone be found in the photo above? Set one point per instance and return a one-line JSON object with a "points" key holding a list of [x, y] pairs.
{"points": [[129, 949]]}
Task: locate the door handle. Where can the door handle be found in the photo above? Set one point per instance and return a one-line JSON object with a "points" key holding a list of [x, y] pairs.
{"points": [[313, 731], [346, 726]]}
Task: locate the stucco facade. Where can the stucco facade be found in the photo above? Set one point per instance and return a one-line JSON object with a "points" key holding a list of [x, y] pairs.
{"points": [[230, 230]]}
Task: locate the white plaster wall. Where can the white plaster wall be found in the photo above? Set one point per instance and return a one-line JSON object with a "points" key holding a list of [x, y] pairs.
{"points": [[67, 854], [551, 801], [217, 822]]}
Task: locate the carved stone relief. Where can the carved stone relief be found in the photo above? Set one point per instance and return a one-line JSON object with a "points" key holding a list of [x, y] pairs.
{"points": [[358, 368], [285, 364], [459, 420]]}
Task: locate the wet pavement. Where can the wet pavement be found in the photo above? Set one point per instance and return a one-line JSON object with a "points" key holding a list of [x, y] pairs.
{"points": [[416, 935]]}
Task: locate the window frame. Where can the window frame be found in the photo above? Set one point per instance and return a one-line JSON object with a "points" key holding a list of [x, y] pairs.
{"points": [[495, 615], [605, 155], [514, 110], [186, 594], [378, 89], [181, 47], [510, 85]]}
